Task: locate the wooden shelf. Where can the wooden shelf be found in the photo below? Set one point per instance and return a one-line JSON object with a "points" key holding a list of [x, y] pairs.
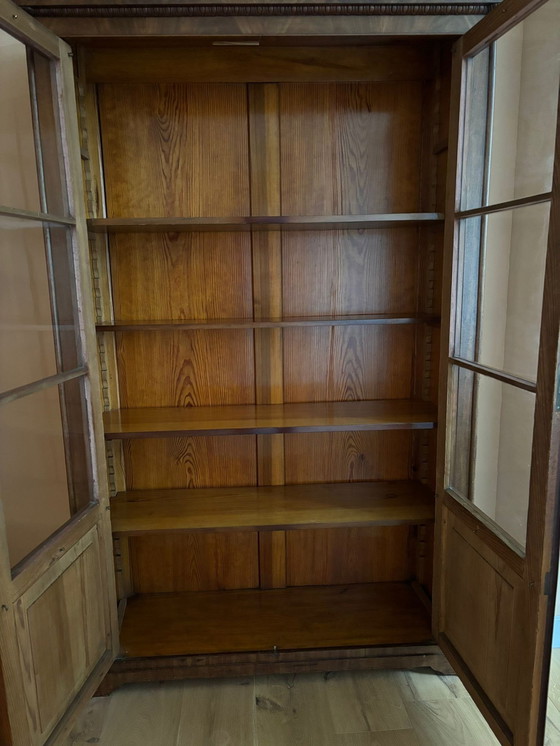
{"points": [[303, 618], [183, 324], [391, 414], [272, 508], [264, 222]]}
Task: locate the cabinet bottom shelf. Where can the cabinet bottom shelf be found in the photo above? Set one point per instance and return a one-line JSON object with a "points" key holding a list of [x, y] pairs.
{"points": [[302, 618]]}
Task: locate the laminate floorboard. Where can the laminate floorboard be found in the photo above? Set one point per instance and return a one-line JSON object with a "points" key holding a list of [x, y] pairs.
{"points": [[375, 708]]}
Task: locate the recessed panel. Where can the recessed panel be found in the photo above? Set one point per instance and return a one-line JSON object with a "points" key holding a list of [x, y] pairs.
{"points": [[175, 150], [348, 363], [350, 148], [186, 368], [350, 272], [181, 276]]}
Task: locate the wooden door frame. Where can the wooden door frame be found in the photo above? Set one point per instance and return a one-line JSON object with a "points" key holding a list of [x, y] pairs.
{"points": [[541, 559], [55, 554]]}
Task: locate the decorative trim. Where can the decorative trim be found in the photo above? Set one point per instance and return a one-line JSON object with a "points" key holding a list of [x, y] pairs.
{"points": [[280, 9]]}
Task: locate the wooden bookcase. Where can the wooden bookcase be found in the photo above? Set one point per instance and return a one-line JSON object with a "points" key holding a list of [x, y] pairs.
{"points": [[266, 249]]}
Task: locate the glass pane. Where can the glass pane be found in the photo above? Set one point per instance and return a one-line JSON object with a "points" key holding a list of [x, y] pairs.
{"points": [[500, 288], [38, 334], [18, 166], [490, 461], [520, 76], [48, 125], [44, 472]]}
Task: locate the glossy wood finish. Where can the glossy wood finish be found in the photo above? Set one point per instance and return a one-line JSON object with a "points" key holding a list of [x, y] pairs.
{"points": [[285, 618], [262, 508], [272, 418], [296, 221]]}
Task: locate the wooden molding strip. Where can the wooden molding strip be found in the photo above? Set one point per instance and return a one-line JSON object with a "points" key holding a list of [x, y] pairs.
{"points": [[263, 222], [213, 10]]}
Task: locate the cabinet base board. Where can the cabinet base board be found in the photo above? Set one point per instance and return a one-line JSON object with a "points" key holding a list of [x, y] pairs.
{"points": [[223, 665]]}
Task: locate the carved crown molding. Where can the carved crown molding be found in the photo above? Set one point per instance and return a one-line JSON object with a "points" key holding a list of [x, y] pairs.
{"points": [[281, 9]]}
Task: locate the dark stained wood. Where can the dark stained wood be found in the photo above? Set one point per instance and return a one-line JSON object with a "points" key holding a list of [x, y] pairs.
{"points": [[350, 148], [256, 64], [173, 668], [173, 153], [261, 508], [273, 418], [267, 323], [174, 463], [295, 221], [348, 363], [291, 618], [200, 368], [195, 276], [194, 562]]}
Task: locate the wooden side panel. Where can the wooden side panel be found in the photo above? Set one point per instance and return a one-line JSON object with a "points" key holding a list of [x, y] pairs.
{"points": [[158, 276], [350, 148], [159, 139], [62, 633], [482, 596]]}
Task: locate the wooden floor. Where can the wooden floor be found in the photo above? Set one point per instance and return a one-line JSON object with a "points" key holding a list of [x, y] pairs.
{"points": [[378, 708]]}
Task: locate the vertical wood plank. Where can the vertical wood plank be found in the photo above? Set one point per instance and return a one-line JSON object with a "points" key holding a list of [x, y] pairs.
{"points": [[264, 148]]}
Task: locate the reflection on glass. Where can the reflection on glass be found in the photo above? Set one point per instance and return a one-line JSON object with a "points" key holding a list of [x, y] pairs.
{"points": [[517, 150], [18, 165], [499, 314], [37, 327], [491, 452], [39, 435]]}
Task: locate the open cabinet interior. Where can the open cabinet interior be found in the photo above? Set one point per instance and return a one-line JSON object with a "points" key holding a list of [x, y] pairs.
{"points": [[266, 233]]}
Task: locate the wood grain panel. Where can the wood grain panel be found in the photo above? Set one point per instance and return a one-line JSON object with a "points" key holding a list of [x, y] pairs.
{"points": [[480, 620], [202, 368], [68, 614], [181, 275], [388, 613], [350, 148], [347, 555], [347, 457], [348, 363], [168, 463], [159, 139], [194, 562], [346, 272]]}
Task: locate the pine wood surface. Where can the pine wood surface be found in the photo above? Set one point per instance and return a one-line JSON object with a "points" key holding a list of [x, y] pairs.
{"points": [[367, 708], [288, 618], [261, 508], [272, 418]]}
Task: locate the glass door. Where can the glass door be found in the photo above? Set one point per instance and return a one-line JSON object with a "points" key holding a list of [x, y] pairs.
{"points": [[498, 459], [57, 629]]}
